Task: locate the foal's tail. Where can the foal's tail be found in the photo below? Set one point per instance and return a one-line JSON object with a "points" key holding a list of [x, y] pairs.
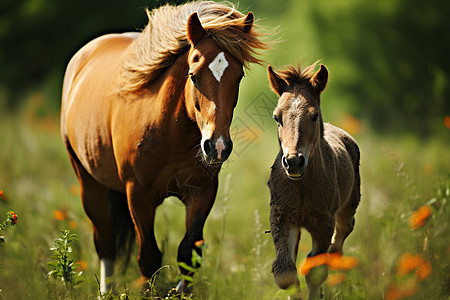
{"points": [[122, 229]]}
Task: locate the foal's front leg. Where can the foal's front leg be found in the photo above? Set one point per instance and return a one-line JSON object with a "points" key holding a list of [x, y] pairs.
{"points": [[198, 202], [286, 238]]}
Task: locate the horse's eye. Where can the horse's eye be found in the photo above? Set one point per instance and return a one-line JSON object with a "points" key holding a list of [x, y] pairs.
{"points": [[278, 120], [193, 78], [197, 105], [315, 116]]}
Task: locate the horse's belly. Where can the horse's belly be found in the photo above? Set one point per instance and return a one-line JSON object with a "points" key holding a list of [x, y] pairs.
{"points": [[96, 155]]}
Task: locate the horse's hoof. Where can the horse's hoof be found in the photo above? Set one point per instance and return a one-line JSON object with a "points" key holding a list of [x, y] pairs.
{"points": [[181, 286]]}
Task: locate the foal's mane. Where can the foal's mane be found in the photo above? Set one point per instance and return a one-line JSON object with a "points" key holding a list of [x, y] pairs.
{"points": [[165, 38], [297, 76]]}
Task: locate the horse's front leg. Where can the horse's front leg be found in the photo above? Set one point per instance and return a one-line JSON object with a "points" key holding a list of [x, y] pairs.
{"points": [[142, 210], [198, 201]]}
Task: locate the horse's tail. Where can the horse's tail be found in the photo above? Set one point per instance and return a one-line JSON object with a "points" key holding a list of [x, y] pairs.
{"points": [[122, 229]]}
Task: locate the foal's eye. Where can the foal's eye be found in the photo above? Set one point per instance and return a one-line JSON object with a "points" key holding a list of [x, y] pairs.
{"points": [[193, 78], [315, 116]]}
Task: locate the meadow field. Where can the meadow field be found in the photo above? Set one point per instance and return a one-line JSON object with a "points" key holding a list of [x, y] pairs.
{"points": [[400, 174], [401, 242]]}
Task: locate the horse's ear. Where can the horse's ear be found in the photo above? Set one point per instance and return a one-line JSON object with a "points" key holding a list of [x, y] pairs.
{"points": [[195, 30], [248, 22], [320, 79], [277, 83]]}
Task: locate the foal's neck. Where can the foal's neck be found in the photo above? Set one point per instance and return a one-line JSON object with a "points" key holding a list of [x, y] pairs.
{"points": [[316, 160]]}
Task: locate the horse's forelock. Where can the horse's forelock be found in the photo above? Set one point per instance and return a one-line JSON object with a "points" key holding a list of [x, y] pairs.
{"points": [[165, 38]]}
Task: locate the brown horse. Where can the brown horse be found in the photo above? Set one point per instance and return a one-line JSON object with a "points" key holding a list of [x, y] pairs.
{"points": [[314, 182], [147, 115]]}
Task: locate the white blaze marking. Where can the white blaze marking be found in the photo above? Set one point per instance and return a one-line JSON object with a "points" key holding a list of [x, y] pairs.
{"points": [[220, 146], [218, 66]]}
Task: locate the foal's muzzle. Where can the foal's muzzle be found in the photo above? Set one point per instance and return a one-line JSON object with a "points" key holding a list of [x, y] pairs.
{"points": [[294, 165], [217, 151]]}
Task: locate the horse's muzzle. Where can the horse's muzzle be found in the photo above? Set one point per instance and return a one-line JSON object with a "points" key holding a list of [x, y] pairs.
{"points": [[217, 151], [295, 166]]}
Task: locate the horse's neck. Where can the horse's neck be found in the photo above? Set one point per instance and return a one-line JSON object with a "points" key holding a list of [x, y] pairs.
{"points": [[172, 97], [172, 89]]}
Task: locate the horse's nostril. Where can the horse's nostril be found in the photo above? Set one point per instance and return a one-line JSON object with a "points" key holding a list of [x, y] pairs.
{"points": [[285, 162], [207, 146], [302, 161]]}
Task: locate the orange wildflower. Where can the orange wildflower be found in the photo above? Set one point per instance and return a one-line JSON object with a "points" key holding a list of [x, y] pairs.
{"points": [[399, 291], [351, 124], [424, 270], [335, 261], [59, 215], [410, 262], [199, 243], [419, 217], [3, 196], [313, 262], [73, 224], [12, 217], [447, 121], [82, 265], [74, 190], [338, 262], [336, 278]]}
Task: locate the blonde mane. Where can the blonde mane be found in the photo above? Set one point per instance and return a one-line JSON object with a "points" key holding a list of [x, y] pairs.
{"points": [[165, 38]]}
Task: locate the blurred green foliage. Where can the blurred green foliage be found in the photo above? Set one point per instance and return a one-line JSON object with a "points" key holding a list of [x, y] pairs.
{"points": [[388, 59]]}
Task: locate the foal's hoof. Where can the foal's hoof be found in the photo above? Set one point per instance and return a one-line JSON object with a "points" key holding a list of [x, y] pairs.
{"points": [[286, 279]]}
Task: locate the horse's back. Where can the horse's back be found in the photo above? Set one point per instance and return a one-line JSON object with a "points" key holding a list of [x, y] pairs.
{"points": [[342, 141], [102, 51], [91, 83]]}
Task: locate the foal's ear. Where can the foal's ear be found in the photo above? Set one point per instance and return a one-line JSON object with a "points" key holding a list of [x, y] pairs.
{"points": [[320, 79], [248, 22], [195, 30], [277, 83]]}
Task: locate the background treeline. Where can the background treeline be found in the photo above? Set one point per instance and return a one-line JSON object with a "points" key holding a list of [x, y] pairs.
{"points": [[389, 60]]}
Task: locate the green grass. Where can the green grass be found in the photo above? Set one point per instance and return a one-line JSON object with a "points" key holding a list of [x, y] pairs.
{"points": [[399, 175]]}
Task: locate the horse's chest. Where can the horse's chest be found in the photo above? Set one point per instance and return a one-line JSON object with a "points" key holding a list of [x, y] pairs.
{"points": [[148, 144]]}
